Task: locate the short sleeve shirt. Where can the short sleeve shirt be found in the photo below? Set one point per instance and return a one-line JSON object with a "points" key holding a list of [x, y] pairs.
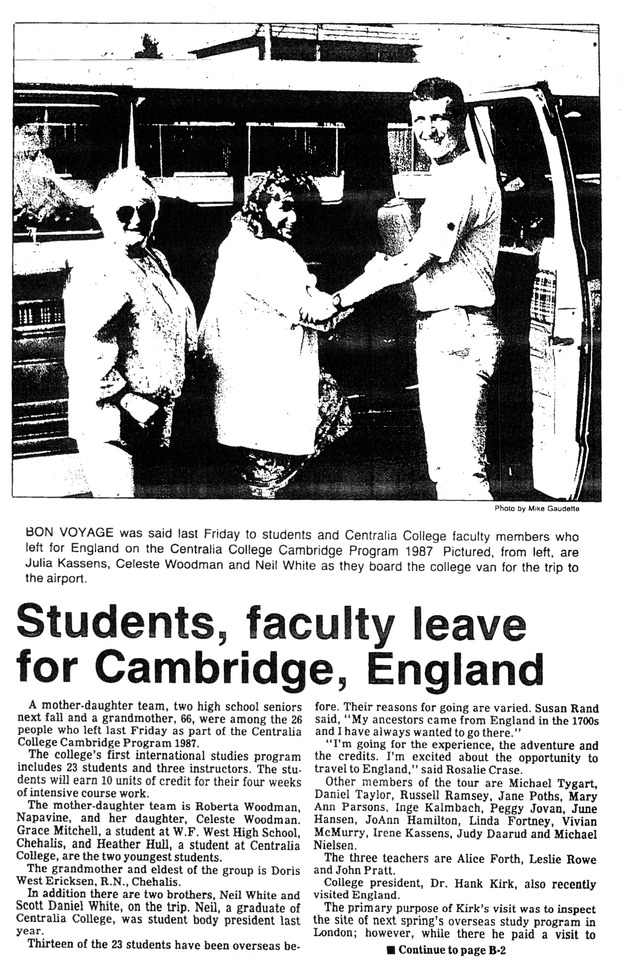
{"points": [[460, 225]]}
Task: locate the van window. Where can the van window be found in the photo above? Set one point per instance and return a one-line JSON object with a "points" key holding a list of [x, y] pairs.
{"points": [[404, 153], [524, 174], [184, 147], [317, 149], [64, 143]]}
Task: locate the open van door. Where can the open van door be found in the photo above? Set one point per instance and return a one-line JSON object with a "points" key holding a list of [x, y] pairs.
{"points": [[543, 304]]}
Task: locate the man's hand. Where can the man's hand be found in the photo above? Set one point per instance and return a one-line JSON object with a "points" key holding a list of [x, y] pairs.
{"points": [[141, 409]]}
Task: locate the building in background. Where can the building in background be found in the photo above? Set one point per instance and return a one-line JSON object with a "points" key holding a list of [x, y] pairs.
{"points": [[363, 42]]}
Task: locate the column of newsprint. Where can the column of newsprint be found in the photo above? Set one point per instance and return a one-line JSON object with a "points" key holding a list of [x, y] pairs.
{"points": [[288, 753]]}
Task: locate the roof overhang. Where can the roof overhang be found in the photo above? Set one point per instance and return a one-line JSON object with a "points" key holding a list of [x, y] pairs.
{"points": [[212, 74]]}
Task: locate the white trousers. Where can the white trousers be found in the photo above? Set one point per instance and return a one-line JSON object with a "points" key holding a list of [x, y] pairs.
{"points": [[108, 469], [121, 470], [456, 352]]}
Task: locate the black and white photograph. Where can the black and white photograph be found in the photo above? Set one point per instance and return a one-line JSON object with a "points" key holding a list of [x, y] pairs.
{"points": [[307, 261]]}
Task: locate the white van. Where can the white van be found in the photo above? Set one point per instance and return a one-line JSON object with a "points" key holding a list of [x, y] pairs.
{"points": [[202, 129]]}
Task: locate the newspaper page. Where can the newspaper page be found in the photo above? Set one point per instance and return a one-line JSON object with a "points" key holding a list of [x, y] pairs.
{"points": [[359, 696]]}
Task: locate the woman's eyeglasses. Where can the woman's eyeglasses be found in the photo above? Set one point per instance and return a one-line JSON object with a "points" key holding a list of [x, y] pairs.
{"points": [[145, 211]]}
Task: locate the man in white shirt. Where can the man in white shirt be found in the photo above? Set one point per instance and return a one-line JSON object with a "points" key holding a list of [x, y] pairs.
{"points": [[451, 261]]}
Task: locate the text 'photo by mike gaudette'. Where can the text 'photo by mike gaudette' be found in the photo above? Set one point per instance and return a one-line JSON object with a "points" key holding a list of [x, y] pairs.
{"points": [[300, 261]]}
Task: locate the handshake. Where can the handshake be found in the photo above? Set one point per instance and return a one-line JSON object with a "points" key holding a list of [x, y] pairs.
{"points": [[323, 312], [318, 310]]}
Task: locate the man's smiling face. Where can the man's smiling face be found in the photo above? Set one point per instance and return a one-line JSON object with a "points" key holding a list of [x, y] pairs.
{"points": [[434, 127]]}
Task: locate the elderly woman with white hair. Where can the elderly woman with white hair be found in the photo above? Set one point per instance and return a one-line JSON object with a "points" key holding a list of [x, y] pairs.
{"points": [[129, 328]]}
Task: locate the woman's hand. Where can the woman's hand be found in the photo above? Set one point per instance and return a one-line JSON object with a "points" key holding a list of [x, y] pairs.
{"points": [[141, 409]]}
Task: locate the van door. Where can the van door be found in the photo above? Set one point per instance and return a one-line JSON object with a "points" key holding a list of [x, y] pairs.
{"points": [[542, 297]]}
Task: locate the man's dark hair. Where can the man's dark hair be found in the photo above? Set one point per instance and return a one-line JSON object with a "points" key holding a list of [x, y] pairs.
{"points": [[434, 88]]}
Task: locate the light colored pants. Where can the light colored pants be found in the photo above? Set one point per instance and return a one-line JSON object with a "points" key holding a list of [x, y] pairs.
{"points": [[108, 469], [456, 352], [123, 470]]}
